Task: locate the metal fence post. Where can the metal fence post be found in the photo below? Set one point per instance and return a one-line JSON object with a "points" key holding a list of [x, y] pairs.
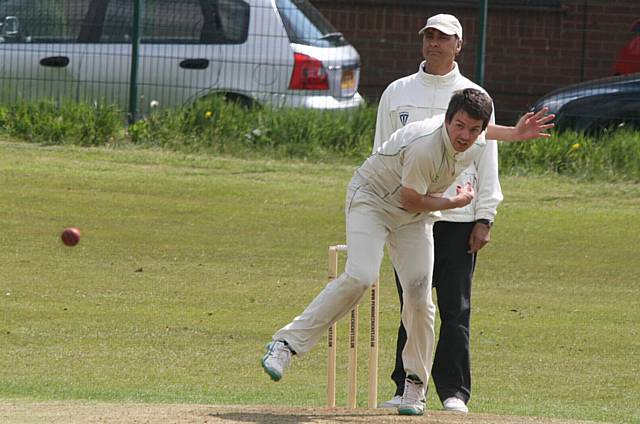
{"points": [[133, 80], [482, 40]]}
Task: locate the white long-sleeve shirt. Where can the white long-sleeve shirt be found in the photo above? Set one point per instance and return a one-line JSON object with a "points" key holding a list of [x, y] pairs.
{"points": [[420, 96]]}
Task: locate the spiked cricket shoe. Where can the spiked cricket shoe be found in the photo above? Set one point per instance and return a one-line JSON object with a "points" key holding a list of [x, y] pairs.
{"points": [[276, 359], [413, 399]]}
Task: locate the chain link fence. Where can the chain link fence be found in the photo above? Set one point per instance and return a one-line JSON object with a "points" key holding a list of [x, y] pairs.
{"points": [[322, 54], [270, 52], [532, 47]]}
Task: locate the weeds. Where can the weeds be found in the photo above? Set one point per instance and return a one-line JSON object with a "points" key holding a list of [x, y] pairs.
{"points": [[50, 122], [612, 156], [218, 127]]}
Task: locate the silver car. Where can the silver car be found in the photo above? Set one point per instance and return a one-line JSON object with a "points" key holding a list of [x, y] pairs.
{"points": [[280, 53]]}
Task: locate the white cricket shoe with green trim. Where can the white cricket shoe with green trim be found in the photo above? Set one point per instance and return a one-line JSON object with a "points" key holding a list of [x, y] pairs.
{"points": [[414, 397], [276, 359]]}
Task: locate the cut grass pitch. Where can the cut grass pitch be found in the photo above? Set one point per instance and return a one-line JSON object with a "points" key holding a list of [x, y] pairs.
{"points": [[124, 413], [188, 264]]}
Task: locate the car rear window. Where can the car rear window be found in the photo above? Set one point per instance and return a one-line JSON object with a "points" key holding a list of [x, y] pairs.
{"points": [[306, 25]]}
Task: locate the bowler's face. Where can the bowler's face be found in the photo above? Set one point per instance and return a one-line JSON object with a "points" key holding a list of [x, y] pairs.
{"points": [[463, 130]]}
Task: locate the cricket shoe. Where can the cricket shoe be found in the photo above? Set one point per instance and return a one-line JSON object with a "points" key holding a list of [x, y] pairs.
{"points": [[276, 359], [455, 404], [394, 402], [413, 399]]}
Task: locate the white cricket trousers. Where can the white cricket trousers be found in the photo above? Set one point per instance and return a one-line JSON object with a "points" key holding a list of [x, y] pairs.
{"points": [[370, 224]]}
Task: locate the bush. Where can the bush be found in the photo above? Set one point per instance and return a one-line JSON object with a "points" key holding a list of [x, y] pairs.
{"points": [[614, 155], [217, 126], [65, 122]]}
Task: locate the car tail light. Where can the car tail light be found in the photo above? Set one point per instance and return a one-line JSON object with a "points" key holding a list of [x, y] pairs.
{"points": [[308, 74]]}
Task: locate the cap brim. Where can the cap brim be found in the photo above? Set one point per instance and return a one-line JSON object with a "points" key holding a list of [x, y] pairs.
{"points": [[439, 28]]}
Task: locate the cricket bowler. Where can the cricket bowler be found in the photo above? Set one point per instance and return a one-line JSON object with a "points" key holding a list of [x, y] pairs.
{"points": [[392, 200]]}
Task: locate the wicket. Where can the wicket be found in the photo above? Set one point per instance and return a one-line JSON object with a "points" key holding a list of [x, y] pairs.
{"points": [[352, 377]]}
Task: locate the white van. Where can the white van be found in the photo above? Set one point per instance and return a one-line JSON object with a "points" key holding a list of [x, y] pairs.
{"points": [[280, 53]]}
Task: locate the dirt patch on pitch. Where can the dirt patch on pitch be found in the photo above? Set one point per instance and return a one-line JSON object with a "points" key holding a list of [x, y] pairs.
{"points": [[19, 412]]}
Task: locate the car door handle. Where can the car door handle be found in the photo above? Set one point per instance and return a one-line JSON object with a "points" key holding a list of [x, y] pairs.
{"points": [[55, 61], [195, 64]]}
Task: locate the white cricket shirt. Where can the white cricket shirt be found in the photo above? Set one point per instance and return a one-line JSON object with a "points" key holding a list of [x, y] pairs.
{"points": [[422, 95], [419, 156]]}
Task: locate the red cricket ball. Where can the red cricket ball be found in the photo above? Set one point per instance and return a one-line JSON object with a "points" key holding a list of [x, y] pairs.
{"points": [[70, 236]]}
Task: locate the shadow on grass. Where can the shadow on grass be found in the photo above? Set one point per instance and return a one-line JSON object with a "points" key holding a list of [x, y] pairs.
{"points": [[296, 418]]}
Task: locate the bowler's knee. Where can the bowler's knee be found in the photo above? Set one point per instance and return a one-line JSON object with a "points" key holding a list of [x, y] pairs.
{"points": [[360, 281], [417, 291]]}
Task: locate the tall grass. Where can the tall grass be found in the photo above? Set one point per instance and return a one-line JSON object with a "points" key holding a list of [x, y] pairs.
{"points": [[611, 156], [66, 122], [218, 127], [230, 128]]}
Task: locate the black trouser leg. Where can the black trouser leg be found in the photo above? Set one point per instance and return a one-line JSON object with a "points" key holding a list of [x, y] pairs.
{"points": [[453, 272], [398, 375]]}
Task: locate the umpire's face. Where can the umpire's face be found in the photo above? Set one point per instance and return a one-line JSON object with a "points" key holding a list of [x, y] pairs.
{"points": [[463, 130], [439, 49]]}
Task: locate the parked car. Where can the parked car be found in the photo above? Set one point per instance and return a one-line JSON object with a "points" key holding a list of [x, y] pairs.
{"points": [[280, 53], [597, 105], [628, 60]]}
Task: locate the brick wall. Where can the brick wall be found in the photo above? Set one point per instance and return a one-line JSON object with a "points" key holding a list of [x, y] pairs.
{"points": [[533, 46]]}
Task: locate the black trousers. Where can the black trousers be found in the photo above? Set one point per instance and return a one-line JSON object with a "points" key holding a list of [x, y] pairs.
{"points": [[452, 275]]}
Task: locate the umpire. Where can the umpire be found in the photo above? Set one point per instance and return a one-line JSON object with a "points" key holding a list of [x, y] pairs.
{"points": [[459, 233]]}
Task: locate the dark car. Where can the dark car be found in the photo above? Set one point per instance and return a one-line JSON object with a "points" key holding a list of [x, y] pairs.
{"points": [[597, 105]]}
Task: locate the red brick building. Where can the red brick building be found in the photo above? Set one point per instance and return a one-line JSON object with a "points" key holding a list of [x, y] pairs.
{"points": [[532, 46]]}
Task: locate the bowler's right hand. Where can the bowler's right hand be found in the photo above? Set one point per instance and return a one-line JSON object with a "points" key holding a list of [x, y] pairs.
{"points": [[464, 195]]}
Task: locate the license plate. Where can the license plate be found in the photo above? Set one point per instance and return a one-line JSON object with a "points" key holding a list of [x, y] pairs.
{"points": [[348, 81]]}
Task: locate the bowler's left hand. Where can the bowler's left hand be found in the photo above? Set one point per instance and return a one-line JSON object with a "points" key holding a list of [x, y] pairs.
{"points": [[534, 125]]}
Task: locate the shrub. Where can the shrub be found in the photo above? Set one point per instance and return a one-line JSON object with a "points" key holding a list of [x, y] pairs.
{"points": [[64, 122], [614, 155], [217, 126]]}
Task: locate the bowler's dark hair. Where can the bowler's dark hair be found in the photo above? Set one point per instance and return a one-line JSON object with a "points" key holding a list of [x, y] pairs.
{"points": [[474, 102]]}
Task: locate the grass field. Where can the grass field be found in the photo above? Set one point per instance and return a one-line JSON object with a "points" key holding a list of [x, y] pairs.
{"points": [[188, 264]]}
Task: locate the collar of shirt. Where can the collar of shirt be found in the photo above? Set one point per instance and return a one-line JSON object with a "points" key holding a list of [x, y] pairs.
{"points": [[431, 79], [448, 147]]}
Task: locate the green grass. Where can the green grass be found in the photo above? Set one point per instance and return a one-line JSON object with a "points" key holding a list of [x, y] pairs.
{"points": [[188, 264]]}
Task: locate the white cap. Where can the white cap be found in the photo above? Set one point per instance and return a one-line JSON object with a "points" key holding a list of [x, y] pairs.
{"points": [[447, 24]]}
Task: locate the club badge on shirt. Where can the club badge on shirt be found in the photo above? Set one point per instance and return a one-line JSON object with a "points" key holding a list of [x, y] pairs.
{"points": [[404, 117]]}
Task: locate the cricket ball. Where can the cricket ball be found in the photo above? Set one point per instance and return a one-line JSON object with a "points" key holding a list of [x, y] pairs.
{"points": [[70, 236]]}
